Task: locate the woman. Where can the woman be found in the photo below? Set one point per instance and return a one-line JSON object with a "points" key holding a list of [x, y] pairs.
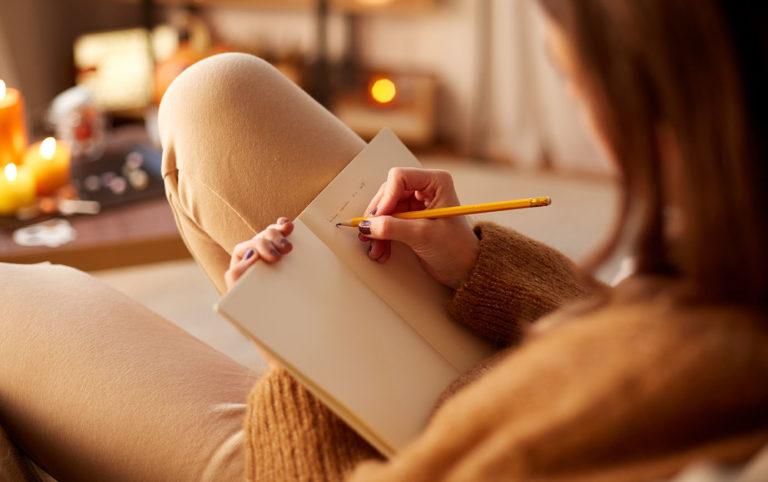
{"points": [[631, 383], [671, 367]]}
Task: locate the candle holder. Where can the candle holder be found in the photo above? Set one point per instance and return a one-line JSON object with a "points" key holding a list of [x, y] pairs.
{"points": [[79, 123], [13, 129]]}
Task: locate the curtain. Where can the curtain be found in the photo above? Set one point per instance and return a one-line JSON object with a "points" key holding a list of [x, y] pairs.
{"points": [[532, 120]]}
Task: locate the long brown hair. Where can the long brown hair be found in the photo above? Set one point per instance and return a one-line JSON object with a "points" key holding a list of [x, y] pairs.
{"points": [[695, 68]]}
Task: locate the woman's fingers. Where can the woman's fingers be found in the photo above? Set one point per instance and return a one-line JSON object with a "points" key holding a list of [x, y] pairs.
{"points": [[406, 231], [436, 185], [410, 204], [236, 269], [238, 253], [269, 245], [371, 209], [387, 252], [248, 252], [378, 248], [283, 226], [267, 250], [278, 240]]}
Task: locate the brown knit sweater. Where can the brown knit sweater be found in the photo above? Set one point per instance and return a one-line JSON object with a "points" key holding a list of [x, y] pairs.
{"points": [[632, 389]]}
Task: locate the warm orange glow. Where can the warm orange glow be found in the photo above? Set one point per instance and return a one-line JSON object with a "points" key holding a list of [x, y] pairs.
{"points": [[383, 90], [48, 148], [10, 172]]}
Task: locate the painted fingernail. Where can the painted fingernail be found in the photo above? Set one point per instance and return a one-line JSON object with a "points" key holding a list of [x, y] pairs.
{"points": [[374, 211], [248, 254], [364, 227], [275, 252], [285, 243], [285, 221]]}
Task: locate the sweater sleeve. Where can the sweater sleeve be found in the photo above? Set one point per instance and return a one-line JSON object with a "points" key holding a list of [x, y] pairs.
{"points": [[290, 435], [515, 281]]}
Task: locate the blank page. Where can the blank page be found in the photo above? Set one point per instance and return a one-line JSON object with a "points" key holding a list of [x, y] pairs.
{"points": [[341, 341], [401, 282]]}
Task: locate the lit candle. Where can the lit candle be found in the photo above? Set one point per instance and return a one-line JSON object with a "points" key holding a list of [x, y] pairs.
{"points": [[383, 90], [17, 189], [49, 162], [13, 131]]}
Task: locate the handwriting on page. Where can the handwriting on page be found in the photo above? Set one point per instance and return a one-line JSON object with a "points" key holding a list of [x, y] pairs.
{"points": [[346, 203]]}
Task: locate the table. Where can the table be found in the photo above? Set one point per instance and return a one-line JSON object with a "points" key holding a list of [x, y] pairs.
{"points": [[143, 232]]}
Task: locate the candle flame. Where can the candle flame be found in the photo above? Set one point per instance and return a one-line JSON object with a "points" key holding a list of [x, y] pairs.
{"points": [[2, 89], [10, 172], [383, 90], [48, 148]]}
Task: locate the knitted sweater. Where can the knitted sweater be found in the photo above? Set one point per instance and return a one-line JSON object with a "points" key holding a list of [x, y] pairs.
{"points": [[632, 388]]}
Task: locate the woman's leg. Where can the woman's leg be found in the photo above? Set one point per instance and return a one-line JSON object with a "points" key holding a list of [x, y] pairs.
{"points": [[13, 465], [94, 386], [243, 145]]}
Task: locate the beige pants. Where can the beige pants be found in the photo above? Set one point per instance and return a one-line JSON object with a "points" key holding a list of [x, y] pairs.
{"points": [[95, 387]]}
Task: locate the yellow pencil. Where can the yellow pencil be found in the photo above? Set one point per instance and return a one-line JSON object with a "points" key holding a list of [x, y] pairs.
{"points": [[461, 210]]}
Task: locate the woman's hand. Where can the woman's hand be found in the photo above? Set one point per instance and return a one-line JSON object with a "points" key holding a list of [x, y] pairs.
{"points": [[447, 247], [269, 245]]}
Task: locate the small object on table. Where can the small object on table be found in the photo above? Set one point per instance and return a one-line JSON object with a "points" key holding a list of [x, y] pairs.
{"points": [[118, 185], [106, 178], [17, 189], [69, 207], [133, 161], [13, 131], [92, 183], [28, 213], [139, 179], [52, 233], [48, 205], [50, 164], [78, 122], [121, 177]]}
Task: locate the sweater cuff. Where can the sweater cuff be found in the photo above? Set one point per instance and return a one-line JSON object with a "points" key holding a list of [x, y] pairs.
{"points": [[291, 435], [515, 281]]}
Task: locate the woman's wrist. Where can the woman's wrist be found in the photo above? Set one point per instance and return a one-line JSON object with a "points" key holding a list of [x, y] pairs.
{"points": [[465, 262]]}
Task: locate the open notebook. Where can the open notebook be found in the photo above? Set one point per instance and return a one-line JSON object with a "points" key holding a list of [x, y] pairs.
{"points": [[371, 341]]}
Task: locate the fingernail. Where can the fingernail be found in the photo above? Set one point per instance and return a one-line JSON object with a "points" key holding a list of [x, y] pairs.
{"points": [[369, 249], [374, 211], [275, 252], [285, 221], [248, 254], [364, 227], [285, 243]]}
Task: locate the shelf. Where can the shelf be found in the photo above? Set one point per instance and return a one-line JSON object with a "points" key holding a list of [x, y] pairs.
{"points": [[348, 6]]}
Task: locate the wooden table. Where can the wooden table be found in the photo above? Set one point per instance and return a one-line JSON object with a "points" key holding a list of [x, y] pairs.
{"points": [[143, 232]]}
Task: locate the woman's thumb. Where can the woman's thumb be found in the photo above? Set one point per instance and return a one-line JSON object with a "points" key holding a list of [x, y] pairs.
{"points": [[406, 231]]}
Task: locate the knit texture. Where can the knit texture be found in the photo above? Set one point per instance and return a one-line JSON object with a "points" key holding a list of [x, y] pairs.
{"points": [[636, 389], [515, 281], [292, 436]]}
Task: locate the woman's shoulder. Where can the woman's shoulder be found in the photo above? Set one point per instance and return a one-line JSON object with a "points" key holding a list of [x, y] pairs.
{"points": [[654, 304], [627, 378]]}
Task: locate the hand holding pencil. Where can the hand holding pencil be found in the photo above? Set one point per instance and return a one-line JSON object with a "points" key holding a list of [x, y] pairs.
{"points": [[447, 246], [459, 210]]}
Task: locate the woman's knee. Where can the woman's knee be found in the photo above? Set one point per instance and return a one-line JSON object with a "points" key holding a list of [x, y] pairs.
{"points": [[242, 110], [209, 89], [243, 145]]}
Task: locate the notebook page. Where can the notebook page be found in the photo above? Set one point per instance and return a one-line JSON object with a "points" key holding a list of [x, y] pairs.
{"points": [[401, 282], [341, 341]]}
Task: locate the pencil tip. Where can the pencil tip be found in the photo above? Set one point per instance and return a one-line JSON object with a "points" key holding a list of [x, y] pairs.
{"points": [[338, 224]]}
